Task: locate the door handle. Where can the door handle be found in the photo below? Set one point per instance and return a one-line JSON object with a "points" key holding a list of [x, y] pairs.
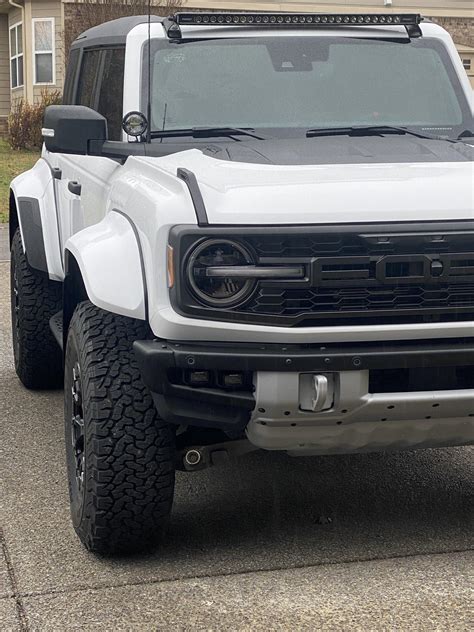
{"points": [[74, 187]]}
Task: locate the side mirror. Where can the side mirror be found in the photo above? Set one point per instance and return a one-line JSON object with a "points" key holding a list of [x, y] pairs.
{"points": [[73, 129]]}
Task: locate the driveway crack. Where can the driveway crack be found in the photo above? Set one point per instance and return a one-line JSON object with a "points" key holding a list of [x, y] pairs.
{"points": [[20, 608]]}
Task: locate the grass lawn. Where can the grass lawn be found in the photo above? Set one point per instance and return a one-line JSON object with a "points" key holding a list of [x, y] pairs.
{"points": [[11, 164]]}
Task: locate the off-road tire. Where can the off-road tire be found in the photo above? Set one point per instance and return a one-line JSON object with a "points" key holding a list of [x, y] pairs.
{"points": [[128, 459], [34, 299]]}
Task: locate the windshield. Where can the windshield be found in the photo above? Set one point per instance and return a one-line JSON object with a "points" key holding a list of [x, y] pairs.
{"points": [[295, 83]]}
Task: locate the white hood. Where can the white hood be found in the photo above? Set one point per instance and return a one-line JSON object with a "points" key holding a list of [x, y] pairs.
{"points": [[255, 194]]}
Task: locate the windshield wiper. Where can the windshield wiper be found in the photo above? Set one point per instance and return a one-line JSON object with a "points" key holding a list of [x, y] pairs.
{"points": [[208, 132], [370, 130]]}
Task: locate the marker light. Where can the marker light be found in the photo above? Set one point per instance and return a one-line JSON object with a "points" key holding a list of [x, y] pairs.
{"points": [[170, 266]]}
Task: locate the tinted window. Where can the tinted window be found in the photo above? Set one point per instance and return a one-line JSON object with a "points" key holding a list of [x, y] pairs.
{"points": [[87, 78], [68, 94], [111, 90]]}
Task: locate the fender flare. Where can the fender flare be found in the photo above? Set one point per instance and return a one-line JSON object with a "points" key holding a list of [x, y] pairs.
{"points": [[34, 201], [110, 261]]}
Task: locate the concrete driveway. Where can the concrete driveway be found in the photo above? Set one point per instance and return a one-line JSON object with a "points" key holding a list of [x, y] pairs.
{"points": [[370, 542]]}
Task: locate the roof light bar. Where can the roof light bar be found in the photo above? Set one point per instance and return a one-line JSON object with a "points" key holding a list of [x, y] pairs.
{"points": [[297, 19]]}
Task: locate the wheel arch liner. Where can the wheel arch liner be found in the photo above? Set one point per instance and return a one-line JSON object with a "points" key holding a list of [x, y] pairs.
{"points": [[110, 261], [35, 202]]}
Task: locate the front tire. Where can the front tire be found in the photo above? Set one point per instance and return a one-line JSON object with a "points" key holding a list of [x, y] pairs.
{"points": [[34, 299], [120, 454]]}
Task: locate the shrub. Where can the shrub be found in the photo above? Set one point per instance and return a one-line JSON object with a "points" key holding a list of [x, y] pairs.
{"points": [[25, 120], [19, 122]]}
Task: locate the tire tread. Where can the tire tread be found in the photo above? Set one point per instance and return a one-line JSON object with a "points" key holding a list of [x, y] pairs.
{"points": [[130, 450], [39, 363]]}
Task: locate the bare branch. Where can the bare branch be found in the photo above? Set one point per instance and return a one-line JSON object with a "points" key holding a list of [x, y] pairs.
{"points": [[84, 14]]}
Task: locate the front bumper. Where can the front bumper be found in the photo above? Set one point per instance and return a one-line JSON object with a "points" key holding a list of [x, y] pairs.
{"points": [[269, 408]]}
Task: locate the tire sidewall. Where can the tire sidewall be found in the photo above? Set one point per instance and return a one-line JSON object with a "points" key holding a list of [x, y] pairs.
{"points": [[14, 271]]}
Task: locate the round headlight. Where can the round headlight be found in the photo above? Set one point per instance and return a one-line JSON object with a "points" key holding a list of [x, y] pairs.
{"points": [[134, 124], [219, 291]]}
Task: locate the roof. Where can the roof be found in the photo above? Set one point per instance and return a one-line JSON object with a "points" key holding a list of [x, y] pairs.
{"points": [[462, 48], [115, 32], [111, 33]]}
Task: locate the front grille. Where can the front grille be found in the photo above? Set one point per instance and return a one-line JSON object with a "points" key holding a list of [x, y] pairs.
{"points": [[353, 244], [357, 276], [360, 278], [362, 305]]}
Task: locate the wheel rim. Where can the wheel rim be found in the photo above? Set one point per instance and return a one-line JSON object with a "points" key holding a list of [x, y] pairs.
{"points": [[16, 313], [77, 430]]}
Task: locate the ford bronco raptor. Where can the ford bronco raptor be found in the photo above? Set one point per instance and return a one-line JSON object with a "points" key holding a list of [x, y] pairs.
{"points": [[246, 231]]}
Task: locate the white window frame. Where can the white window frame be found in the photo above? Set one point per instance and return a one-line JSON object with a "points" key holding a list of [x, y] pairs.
{"points": [[51, 52], [14, 27]]}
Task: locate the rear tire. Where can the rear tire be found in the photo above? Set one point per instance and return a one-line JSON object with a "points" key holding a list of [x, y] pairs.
{"points": [[34, 299], [120, 454]]}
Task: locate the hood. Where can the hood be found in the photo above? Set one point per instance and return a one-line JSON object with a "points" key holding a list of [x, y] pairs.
{"points": [[331, 180]]}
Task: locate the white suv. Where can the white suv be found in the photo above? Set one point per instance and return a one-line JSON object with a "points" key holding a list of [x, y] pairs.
{"points": [[246, 231]]}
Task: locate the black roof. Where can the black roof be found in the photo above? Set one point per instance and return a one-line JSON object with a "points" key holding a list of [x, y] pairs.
{"points": [[111, 33]]}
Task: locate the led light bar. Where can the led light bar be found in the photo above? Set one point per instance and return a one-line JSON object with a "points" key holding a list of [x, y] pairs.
{"points": [[255, 272], [297, 19]]}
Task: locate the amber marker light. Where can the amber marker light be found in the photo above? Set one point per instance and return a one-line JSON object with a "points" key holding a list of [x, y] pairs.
{"points": [[170, 264]]}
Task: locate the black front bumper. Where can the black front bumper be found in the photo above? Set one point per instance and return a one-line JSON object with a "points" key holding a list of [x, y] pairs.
{"points": [[230, 410]]}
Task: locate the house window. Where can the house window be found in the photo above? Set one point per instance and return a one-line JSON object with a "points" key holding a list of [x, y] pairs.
{"points": [[467, 64], [43, 50], [16, 55]]}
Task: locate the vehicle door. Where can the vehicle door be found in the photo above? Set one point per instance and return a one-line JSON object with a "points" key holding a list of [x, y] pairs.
{"points": [[82, 182]]}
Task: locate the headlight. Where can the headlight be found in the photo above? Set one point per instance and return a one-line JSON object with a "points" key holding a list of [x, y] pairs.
{"points": [[217, 290]]}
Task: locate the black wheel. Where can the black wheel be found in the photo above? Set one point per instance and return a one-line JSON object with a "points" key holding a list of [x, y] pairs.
{"points": [[120, 454], [34, 299]]}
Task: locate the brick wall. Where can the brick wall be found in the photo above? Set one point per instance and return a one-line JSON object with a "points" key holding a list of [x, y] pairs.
{"points": [[460, 29]]}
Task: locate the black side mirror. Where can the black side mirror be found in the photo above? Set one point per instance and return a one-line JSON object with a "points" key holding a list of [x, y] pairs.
{"points": [[73, 129]]}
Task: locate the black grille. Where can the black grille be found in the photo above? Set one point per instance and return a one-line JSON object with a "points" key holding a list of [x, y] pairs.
{"points": [[358, 278], [353, 244], [354, 276], [361, 305]]}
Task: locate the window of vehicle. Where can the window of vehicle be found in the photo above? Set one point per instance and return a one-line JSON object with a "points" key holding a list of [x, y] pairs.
{"points": [[110, 97], [16, 55], [303, 82], [87, 78], [70, 79], [101, 85], [43, 51]]}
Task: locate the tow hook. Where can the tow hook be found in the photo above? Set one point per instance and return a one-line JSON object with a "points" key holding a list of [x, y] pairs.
{"points": [[196, 458]]}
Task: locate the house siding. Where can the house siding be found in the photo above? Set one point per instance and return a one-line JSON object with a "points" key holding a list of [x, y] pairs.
{"points": [[51, 9], [4, 73], [458, 8]]}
